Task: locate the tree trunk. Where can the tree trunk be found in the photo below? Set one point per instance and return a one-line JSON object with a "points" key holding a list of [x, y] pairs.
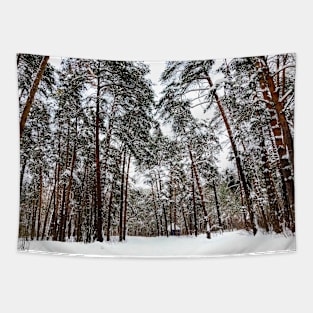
{"points": [[98, 170], [47, 214], [155, 209], [82, 204], [160, 201], [33, 226], [205, 213], [194, 202], [277, 115], [110, 209], [32, 93], [69, 187], [108, 140], [270, 190], [126, 196], [163, 206], [170, 204], [279, 108], [22, 176], [174, 209], [237, 158], [39, 205], [217, 206], [122, 197]]}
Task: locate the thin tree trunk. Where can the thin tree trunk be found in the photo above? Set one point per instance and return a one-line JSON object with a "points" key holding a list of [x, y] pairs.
{"points": [[54, 224], [155, 209], [160, 201], [108, 140], [39, 205], [126, 196], [82, 204], [18, 59], [22, 176], [69, 187], [194, 202], [61, 230], [205, 213], [186, 223], [122, 197], [47, 214], [98, 170], [163, 206], [170, 204], [243, 209], [33, 227], [110, 209], [270, 189], [32, 93], [217, 206]]}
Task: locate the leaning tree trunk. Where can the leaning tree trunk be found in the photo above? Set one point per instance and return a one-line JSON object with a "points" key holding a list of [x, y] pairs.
{"points": [[32, 93], [237, 158]]}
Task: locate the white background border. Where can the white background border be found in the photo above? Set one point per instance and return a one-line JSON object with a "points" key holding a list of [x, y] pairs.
{"points": [[158, 30]]}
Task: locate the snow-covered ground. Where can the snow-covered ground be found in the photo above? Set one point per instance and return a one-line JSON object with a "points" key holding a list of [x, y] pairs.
{"points": [[228, 243]]}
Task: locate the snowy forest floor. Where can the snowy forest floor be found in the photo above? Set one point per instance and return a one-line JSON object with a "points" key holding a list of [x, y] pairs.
{"points": [[229, 243]]}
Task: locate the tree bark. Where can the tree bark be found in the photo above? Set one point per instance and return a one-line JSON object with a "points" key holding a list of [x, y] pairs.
{"points": [[32, 93], [275, 110], [279, 108]]}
